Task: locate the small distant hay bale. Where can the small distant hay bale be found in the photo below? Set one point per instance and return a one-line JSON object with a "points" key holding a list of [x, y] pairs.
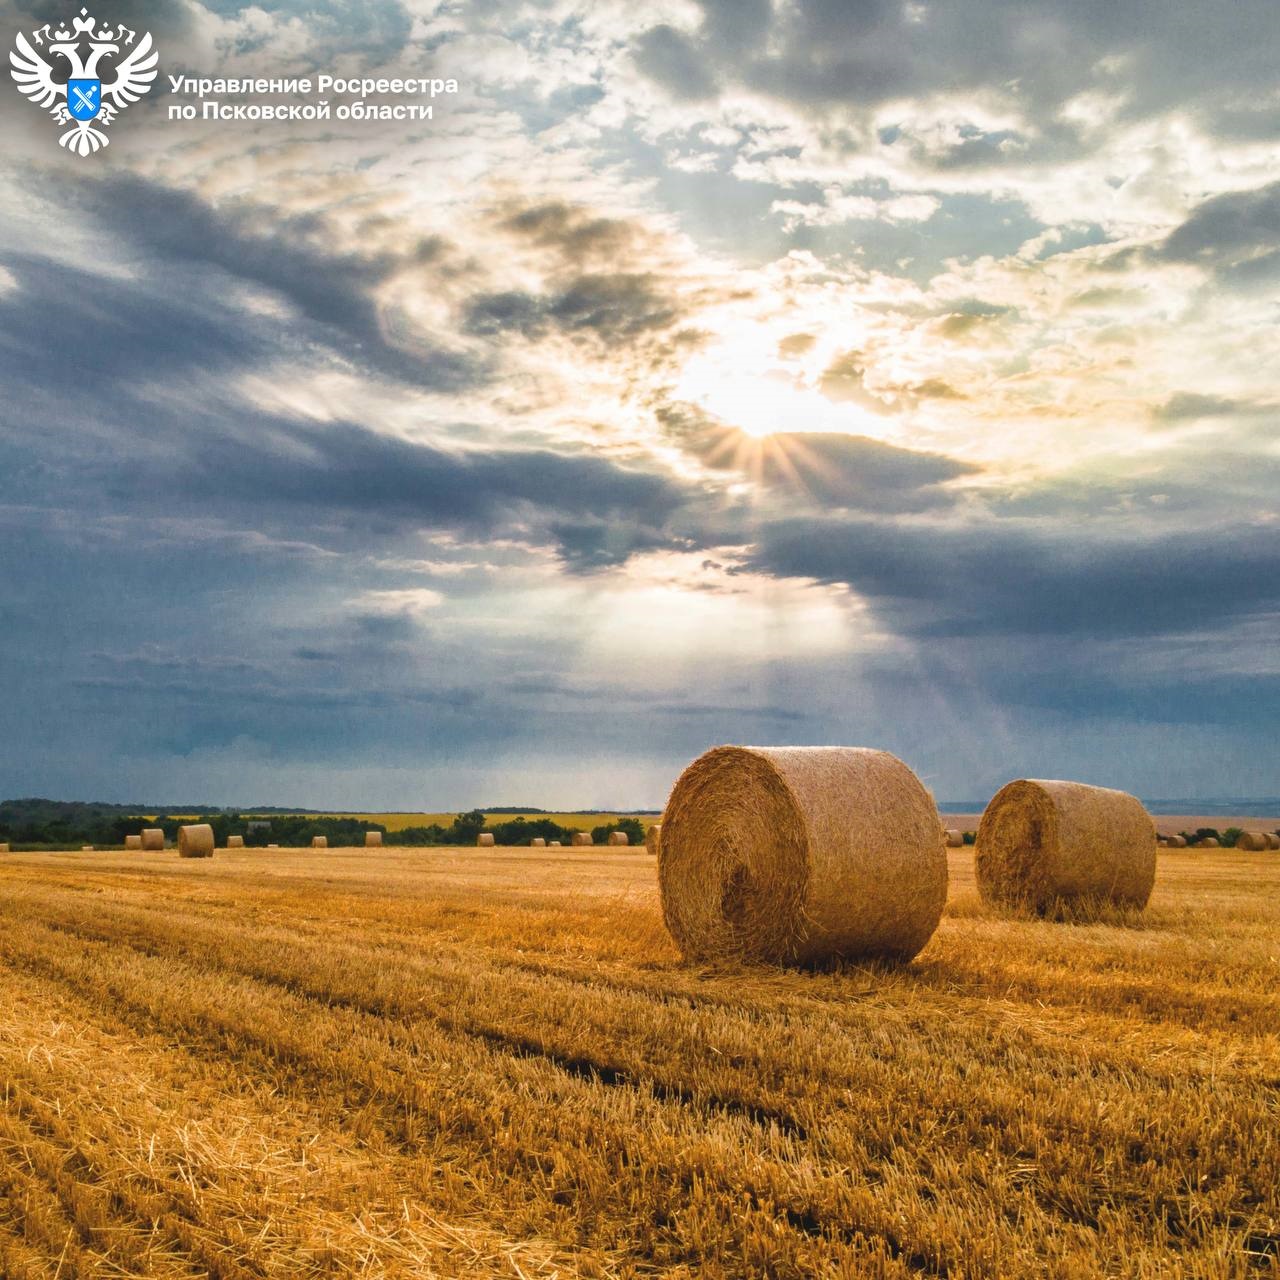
{"points": [[195, 841], [86, 848], [800, 855], [373, 839], [1176, 842], [235, 842], [1273, 839], [133, 842], [617, 838], [319, 842], [1253, 841], [1041, 843], [538, 842], [4, 848], [153, 838], [582, 838], [485, 840], [955, 839], [555, 844], [273, 846], [653, 838], [1208, 843]]}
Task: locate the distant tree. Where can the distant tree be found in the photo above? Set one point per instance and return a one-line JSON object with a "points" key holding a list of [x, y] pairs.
{"points": [[632, 826], [1230, 836], [468, 826]]}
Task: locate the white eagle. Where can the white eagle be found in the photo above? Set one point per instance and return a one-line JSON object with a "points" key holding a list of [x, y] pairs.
{"points": [[133, 77]]}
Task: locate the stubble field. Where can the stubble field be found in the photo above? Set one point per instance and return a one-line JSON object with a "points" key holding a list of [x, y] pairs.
{"points": [[473, 1063]]}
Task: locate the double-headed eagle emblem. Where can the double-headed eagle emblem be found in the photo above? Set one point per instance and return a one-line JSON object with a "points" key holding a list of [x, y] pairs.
{"points": [[85, 97]]}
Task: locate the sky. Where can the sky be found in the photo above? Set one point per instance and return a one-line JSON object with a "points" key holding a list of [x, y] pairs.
{"points": [[898, 375]]}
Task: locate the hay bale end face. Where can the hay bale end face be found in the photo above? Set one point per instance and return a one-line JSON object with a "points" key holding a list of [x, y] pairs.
{"points": [[319, 842], [1045, 842], [195, 841], [653, 838], [235, 842], [799, 855], [619, 838], [485, 840], [955, 839], [581, 838], [1253, 841], [153, 838], [373, 839], [538, 842], [133, 842]]}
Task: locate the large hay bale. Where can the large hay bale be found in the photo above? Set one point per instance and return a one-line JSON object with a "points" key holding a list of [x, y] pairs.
{"points": [[133, 842], [153, 838], [195, 841], [796, 855], [373, 839], [582, 838], [618, 838], [485, 840], [319, 842], [653, 838], [538, 842], [235, 842], [1045, 842], [1253, 841], [954, 838]]}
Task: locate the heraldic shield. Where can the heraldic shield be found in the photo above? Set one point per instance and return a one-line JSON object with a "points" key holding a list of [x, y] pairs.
{"points": [[84, 98]]}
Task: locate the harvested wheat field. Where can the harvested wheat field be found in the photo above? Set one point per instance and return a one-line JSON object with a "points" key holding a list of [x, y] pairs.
{"points": [[493, 1063]]}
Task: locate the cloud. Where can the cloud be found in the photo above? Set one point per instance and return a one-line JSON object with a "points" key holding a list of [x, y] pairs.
{"points": [[1234, 235]]}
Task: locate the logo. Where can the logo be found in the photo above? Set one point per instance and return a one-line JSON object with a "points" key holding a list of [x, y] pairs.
{"points": [[87, 98]]}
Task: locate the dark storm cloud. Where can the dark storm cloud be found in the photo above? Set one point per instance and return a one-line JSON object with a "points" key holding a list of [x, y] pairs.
{"points": [[291, 256], [1013, 578], [1236, 235], [575, 234], [617, 307]]}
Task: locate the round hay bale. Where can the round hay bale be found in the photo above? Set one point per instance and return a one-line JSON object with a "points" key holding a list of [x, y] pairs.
{"points": [[1041, 842], [796, 855], [195, 841], [555, 844], [273, 846], [653, 838], [1253, 841], [4, 848], [153, 838], [86, 848], [373, 839], [319, 842], [955, 839], [1208, 843], [538, 842], [1176, 842], [235, 842], [582, 838], [1273, 839], [133, 842], [485, 840], [618, 838]]}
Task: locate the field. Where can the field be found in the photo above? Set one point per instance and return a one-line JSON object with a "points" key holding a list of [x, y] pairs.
{"points": [[455, 1063], [399, 821]]}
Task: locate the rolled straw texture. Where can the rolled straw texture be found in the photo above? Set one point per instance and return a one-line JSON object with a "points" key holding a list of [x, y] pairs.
{"points": [[319, 842], [1041, 842], [582, 837], [955, 839], [619, 838], [796, 855], [373, 839], [235, 842], [133, 842], [195, 841], [653, 838], [1176, 842], [1253, 841], [538, 842], [1207, 843], [485, 840], [153, 838]]}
